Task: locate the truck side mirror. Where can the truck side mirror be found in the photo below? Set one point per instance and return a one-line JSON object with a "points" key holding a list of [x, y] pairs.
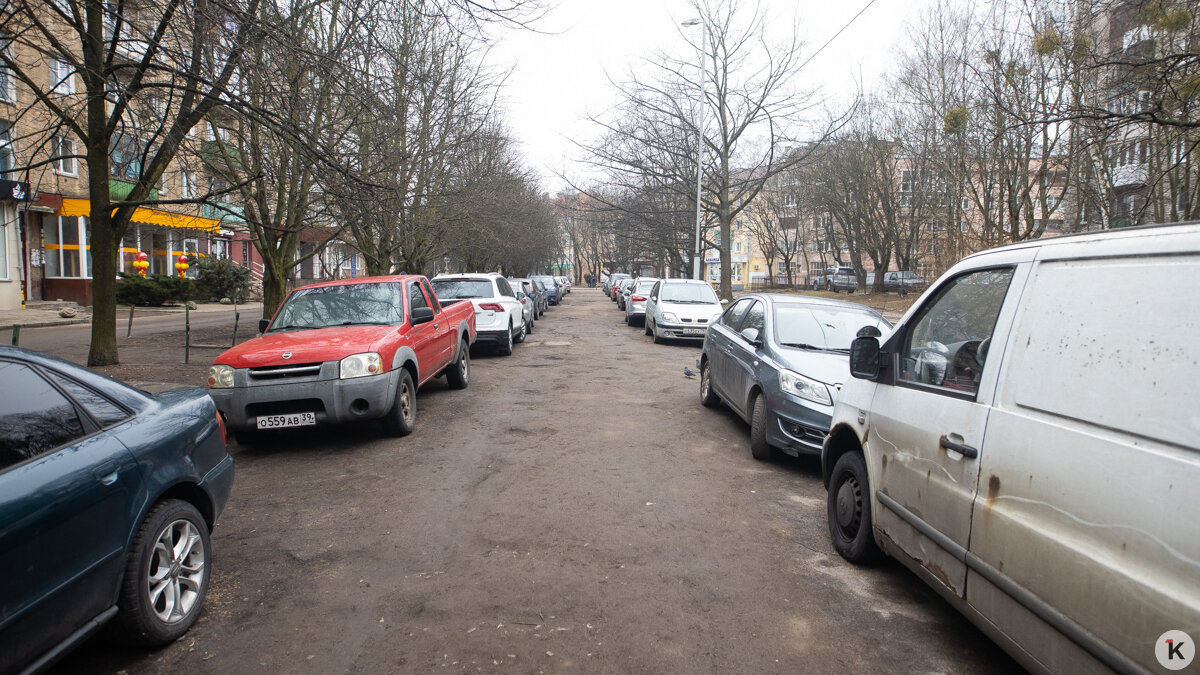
{"points": [[864, 358], [420, 315], [262, 325]]}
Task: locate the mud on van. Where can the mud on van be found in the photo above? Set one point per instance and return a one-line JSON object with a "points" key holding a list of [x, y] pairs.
{"points": [[1027, 441]]}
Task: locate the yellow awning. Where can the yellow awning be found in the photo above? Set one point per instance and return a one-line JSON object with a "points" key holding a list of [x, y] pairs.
{"points": [[82, 207]]}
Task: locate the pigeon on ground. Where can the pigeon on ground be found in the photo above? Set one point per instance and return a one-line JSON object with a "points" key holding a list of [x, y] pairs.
{"points": [[688, 372]]}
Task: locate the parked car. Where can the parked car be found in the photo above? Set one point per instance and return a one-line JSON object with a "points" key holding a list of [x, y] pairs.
{"points": [[681, 308], [1025, 440], [903, 282], [528, 308], [536, 293], [566, 284], [610, 285], [840, 278], [553, 292], [635, 304], [499, 316], [108, 495], [344, 351], [543, 294], [623, 292], [778, 361]]}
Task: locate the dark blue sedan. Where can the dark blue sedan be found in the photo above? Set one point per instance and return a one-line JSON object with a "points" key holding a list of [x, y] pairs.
{"points": [[778, 361], [107, 498]]}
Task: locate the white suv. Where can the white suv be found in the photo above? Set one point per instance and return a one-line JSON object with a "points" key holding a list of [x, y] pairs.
{"points": [[499, 319]]}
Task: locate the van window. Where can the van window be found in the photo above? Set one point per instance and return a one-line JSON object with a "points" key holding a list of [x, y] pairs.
{"points": [[948, 341]]}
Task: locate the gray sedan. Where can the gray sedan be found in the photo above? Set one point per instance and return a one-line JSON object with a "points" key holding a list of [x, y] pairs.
{"points": [[779, 361]]}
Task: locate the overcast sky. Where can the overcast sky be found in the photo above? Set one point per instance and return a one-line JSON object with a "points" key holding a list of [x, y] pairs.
{"points": [[562, 73]]}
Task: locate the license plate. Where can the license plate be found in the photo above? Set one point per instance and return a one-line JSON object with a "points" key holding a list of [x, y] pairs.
{"points": [[284, 421], [693, 331]]}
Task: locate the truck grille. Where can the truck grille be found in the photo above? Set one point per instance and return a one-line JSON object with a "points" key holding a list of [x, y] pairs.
{"points": [[288, 371]]}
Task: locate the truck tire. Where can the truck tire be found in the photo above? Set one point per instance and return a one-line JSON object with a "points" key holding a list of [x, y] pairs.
{"points": [[458, 375], [402, 418]]}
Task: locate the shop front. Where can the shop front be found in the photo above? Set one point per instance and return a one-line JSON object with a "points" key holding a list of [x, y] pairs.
{"points": [[162, 235]]}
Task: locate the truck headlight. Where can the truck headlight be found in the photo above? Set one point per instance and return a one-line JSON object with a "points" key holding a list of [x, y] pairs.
{"points": [[220, 376], [361, 365], [805, 387]]}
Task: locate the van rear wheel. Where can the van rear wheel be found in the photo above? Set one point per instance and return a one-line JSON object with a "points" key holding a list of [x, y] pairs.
{"points": [[849, 510]]}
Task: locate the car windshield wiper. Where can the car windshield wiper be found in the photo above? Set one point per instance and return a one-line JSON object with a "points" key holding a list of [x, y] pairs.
{"points": [[814, 348], [366, 323], [292, 327]]}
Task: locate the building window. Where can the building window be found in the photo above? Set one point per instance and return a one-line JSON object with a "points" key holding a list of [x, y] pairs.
{"points": [[8, 87], [187, 188], [62, 152], [246, 252], [66, 248], [6, 153], [125, 156], [62, 80]]}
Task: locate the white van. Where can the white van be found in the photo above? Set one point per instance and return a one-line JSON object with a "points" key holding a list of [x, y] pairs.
{"points": [[1027, 441]]}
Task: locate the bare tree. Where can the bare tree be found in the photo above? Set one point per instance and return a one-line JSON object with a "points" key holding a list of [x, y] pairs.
{"points": [[183, 55], [751, 111]]}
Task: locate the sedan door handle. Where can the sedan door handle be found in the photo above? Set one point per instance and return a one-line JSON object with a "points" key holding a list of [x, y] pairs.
{"points": [[960, 448], [107, 473]]}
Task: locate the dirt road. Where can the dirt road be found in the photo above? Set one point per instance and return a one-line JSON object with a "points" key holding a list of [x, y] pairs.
{"points": [[574, 509]]}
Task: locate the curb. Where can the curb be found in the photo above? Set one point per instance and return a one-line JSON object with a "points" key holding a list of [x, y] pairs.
{"points": [[44, 324]]}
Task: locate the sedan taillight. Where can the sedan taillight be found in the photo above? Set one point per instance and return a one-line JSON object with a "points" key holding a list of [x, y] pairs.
{"points": [[637, 298], [492, 306]]}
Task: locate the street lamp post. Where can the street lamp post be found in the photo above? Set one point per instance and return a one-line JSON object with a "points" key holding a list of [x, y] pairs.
{"points": [[699, 142]]}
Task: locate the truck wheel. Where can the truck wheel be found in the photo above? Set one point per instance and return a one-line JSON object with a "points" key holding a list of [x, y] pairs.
{"points": [[402, 418], [849, 510], [759, 448], [166, 575], [458, 375]]}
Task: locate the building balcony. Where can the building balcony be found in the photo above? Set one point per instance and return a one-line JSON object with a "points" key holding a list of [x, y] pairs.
{"points": [[1130, 175], [226, 213], [120, 189]]}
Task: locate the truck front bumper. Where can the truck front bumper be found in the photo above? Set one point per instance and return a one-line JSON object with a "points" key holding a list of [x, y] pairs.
{"points": [[333, 400]]}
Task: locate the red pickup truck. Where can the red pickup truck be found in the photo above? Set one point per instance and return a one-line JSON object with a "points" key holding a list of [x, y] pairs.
{"points": [[344, 351]]}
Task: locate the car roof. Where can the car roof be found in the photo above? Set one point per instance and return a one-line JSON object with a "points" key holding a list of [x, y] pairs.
{"points": [[685, 281], [1084, 238], [790, 299], [479, 276]]}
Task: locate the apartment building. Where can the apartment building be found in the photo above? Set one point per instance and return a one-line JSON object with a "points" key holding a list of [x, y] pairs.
{"points": [[45, 203]]}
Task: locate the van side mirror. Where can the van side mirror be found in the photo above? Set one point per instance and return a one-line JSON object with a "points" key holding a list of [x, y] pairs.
{"points": [[864, 358], [262, 325], [420, 315], [724, 301]]}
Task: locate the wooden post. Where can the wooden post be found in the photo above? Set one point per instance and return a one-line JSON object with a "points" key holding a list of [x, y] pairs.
{"points": [[16, 339]]}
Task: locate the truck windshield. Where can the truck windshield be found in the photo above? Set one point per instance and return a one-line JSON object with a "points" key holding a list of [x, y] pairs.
{"points": [[347, 305]]}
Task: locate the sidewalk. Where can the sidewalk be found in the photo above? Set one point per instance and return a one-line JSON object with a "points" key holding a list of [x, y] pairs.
{"points": [[40, 318]]}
